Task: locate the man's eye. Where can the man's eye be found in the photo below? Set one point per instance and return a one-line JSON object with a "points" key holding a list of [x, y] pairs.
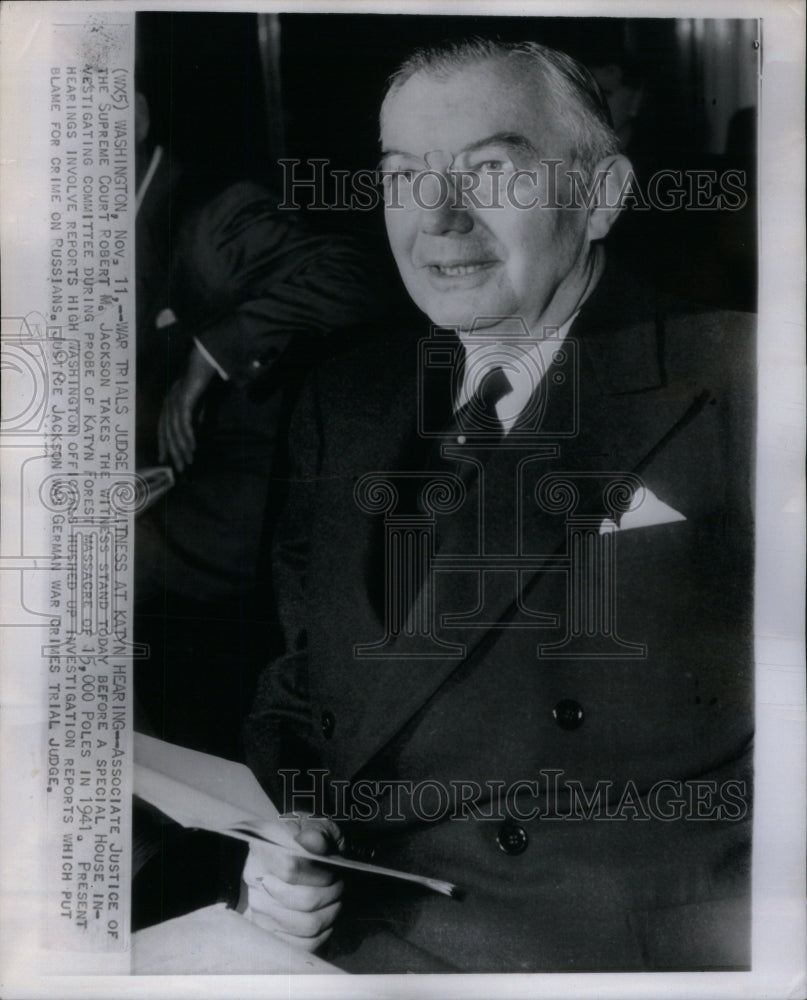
{"points": [[405, 174], [492, 165]]}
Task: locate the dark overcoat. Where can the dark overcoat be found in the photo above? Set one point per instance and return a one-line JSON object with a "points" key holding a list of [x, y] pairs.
{"points": [[566, 709]]}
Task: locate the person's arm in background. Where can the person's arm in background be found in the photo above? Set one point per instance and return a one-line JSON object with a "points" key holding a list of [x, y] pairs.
{"points": [[254, 279], [176, 440]]}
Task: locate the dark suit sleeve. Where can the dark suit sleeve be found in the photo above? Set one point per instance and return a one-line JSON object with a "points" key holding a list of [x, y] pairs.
{"points": [[253, 279], [278, 731]]}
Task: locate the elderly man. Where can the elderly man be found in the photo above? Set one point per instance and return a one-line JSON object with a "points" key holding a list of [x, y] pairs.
{"points": [[515, 572]]}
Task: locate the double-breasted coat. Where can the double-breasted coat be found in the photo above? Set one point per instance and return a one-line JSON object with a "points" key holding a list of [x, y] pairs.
{"points": [[562, 726]]}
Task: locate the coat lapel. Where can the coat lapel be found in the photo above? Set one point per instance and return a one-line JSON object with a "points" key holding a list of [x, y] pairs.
{"points": [[608, 411]]}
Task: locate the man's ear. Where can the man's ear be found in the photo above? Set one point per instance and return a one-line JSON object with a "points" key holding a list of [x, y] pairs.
{"points": [[614, 173]]}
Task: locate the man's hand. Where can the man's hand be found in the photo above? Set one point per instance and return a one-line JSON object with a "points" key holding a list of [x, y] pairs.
{"points": [[294, 898], [175, 435]]}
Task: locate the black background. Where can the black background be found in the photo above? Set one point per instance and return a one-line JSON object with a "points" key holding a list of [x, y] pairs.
{"points": [[203, 77]]}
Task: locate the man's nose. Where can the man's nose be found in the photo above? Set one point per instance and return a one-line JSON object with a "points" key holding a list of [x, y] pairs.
{"points": [[441, 208]]}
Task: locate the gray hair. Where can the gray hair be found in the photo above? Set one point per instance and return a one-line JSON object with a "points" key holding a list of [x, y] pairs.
{"points": [[572, 92]]}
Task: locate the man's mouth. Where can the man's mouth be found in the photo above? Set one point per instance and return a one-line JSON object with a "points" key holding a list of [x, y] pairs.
{"points": [[458, 270]]}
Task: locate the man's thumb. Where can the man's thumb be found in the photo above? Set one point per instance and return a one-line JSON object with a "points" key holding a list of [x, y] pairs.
{"points": [[320, 836]]}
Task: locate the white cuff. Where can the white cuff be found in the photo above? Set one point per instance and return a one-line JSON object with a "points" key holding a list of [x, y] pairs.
{"points": [[211, 360]]}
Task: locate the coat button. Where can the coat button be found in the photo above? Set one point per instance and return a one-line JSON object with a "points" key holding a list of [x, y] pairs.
{"points": [[568, 714], [512, 838], [327, 721]]}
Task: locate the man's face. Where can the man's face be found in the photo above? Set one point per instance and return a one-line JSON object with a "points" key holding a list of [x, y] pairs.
{"points": [[463, 263]]}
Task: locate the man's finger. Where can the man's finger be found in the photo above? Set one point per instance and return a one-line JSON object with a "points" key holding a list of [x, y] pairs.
{"points": [[178, 433], [271, 925], [301, 871], [315, 841], [307, 944], [305, 898], [171, 442], [178, 426], [320, 835], [306, 924], [186, 421], [264, 858]]}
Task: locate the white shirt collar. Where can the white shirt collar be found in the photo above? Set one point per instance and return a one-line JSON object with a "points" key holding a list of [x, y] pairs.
{"points": [[525, 367]]}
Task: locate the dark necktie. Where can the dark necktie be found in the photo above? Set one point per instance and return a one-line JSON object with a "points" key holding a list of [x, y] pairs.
{"points": [[472, 431], [475, 422]]}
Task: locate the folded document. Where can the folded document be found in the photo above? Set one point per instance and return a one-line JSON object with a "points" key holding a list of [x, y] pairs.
{"points": [[209, 793]]}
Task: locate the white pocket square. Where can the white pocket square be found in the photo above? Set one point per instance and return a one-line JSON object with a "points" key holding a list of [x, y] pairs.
{"points": [[645, 511]]}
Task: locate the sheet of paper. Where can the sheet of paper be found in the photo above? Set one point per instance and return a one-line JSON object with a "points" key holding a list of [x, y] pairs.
{"points": [[70, 489], [216, 941], [207, 793]]}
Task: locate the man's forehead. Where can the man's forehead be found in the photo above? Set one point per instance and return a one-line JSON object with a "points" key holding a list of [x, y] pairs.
{"points": [[454, 109]]}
